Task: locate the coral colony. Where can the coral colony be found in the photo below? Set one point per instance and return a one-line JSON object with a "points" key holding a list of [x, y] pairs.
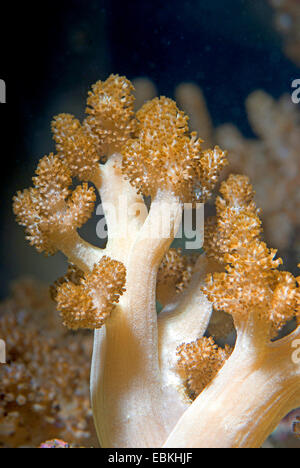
{"points": [[44, 386], [170, 379]]}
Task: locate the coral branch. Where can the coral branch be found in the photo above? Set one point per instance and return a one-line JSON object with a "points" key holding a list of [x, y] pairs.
{"points": [[199, 362], [110, 113], [261, 300], [76, 145], [51, 213], [183, 320], [89, 303], [244, 403]]}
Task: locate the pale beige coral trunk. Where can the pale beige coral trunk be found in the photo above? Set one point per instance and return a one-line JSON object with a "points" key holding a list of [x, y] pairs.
{"points": [[130, 403], [245, 402]]}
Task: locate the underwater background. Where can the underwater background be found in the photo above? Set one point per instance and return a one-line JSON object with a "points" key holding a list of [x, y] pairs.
{"points": [[51, 53]]}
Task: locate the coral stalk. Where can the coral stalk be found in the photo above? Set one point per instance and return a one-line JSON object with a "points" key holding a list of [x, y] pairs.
{"points": [[245, 402], [126, 389]]}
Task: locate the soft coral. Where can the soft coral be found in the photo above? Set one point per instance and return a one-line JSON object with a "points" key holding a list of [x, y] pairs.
{"points": [[137, 386]]}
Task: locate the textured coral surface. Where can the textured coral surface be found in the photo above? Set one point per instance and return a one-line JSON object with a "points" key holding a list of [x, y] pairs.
{"points": [[44, 387]]}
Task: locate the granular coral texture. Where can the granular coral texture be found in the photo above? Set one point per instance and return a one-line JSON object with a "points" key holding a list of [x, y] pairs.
{"points": [[89, 301], [110, 113], [163, 155], [50, 210], [236, 222], [199, 362], [174, 274], [252, 284], [44, 387], [77, 145]]}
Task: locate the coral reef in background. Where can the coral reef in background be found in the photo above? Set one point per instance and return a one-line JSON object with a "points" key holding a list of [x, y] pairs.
{"points": [[287, 22], [44, 387]]}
